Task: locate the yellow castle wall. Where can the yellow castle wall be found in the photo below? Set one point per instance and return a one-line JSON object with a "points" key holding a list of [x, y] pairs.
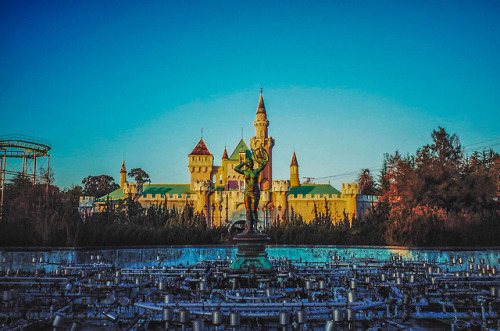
{"points": [[305, 207]]}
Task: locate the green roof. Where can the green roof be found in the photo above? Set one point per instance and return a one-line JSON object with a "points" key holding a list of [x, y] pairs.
{"points": [[314, 189], [152, 189], [163, 189], [115, 195], [235, 156]]}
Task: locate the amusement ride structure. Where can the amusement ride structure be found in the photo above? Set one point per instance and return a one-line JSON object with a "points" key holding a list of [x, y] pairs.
{"points": [[28, 150]]}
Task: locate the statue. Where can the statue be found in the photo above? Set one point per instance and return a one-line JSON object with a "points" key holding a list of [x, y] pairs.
{"points": [[251, 257], [252, 190]]}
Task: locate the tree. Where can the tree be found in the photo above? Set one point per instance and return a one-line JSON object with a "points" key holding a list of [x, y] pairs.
{"points": [[46, 175], [366, 183], [18, 186], [73, 194], [139, 175], [438, 193], [99, 186]]}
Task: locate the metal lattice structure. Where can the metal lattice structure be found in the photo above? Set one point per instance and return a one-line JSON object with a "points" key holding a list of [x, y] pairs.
{"points": [[26, 148], [344, 294]]}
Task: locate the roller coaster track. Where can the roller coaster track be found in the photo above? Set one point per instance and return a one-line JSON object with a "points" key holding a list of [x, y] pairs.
{"points": [[16, 145], [25, 147]]}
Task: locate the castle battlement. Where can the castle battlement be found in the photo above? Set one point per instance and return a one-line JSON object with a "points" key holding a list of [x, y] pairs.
{"points": [[133, 189], [160, 197], [308, 197], [350, 188], [282, 186]]}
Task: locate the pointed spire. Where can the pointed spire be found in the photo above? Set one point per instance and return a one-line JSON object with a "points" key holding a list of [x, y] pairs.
{"points": [[123, 167], [261, 108], [294, 172], [224, 155], [200, 149]]}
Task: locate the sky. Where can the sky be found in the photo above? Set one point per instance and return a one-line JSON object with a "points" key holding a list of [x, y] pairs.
{"points": [[343, 81]]}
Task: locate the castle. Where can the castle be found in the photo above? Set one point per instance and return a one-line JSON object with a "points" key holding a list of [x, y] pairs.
{"points": [[217, 191]]}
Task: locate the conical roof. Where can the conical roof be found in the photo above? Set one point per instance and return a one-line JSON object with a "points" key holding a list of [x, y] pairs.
{"points": [[261, 108], [123, 167], [294, 160], [224, 155], [241, 146], [200, 149]]}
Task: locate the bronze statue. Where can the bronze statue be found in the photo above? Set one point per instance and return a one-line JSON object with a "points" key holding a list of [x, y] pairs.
{"points": [[252, 190]]}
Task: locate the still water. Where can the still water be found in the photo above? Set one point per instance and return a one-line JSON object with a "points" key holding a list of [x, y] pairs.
{"points": [[50, 258]]}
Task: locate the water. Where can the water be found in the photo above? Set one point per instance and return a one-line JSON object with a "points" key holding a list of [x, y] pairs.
{"points": [[51, 258]]}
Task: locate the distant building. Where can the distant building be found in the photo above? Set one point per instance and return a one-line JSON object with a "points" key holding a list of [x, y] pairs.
{"points": [[365, 203], [217, 191], [86, 206]]}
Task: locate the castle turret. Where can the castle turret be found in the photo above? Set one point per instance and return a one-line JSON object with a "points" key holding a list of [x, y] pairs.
{"points": [[200, 163], [280, 189], [294, 172], [223, 169], [133, 190], [123, 175], [203, 189], [349, 192], [262, 139]]}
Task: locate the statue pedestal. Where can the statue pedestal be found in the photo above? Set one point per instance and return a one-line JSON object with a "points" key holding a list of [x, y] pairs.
{"points": [[251, 257]]}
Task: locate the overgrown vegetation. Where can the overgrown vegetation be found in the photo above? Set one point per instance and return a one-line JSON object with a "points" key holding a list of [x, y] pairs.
{"points": [[437, 197], [322, 231], [34, 216]]}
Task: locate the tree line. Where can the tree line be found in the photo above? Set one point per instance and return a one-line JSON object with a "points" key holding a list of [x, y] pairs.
{"points": [[435, 197], [36, 216], [438, 196]]}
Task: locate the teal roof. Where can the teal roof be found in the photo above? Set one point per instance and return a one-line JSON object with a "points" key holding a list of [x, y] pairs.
{"points": [[152, 189], [115, 195], [314, 189], [163, 189], [235, 156]]}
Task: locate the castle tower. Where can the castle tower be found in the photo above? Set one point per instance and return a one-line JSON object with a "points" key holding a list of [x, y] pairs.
{"points": [[203, 189], [262, 139], [123, 175], [294, 172], [225, 158], [200, 163], [349, 192], [280, 189]]}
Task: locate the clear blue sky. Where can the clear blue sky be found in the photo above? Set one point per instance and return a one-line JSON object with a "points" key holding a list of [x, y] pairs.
{"points": [[344, 81]]}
